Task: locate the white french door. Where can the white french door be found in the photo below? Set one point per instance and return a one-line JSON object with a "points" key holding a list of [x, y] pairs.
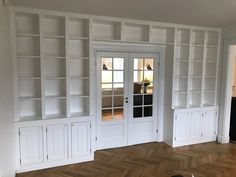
{"points": [[127, 98]]}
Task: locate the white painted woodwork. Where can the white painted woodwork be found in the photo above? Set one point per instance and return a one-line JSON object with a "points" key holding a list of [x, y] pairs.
{"points": [[57, 142], [31, 145], [54, 81], [195, 66], [196, 127], [129, 130], [210, 125], [80, 139], [181, 129]]}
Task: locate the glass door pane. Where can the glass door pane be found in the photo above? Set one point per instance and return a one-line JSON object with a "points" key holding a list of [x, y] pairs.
{"points": [[143, 87], [112, 77]]}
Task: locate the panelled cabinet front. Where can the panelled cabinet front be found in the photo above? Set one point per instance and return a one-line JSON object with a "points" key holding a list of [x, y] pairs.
{"points": [[210, 125], [46, 145], [181, 128], [81, 139], [194, 126], [31, 145], [57, 142]]}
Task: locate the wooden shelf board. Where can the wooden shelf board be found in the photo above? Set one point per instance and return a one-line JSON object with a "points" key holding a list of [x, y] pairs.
{"points": [[27, 35], [28, 57], [55, 116], [29, 78], [79, 96], [48, 36], [29, 98], [54, 78], [55, 97]]}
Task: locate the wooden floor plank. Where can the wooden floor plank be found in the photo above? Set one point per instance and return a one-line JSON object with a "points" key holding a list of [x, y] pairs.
{"points": [[152, 160]]}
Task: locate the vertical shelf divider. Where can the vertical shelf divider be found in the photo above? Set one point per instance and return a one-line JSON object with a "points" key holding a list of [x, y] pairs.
{"points": [[217, 69], [190, 67], [174, 69], [203, 68], [67, 37], [149, 33], [15, 67], [42, 65], [122, 31], [91, 66]]}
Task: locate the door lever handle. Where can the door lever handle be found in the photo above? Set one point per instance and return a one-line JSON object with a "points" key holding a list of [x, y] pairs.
{"points": [[126, 99]]}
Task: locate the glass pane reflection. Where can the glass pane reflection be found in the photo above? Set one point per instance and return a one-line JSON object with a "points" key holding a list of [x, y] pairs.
{"points": [[138, 76], [137, 112], [148, 63], [147, 111], [107, 114], [138, 100], [138, 64], [106, 64], [118, 101], [118, 63], [118, 76], [147, 99], [106, 76], [107, 102], [118, 113]]}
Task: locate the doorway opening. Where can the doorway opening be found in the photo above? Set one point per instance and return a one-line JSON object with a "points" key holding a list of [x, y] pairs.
{"points": [[127, 88], [232, 93]]}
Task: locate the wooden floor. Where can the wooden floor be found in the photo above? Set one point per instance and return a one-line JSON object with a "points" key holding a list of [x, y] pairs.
{"points": [[153, 160]]}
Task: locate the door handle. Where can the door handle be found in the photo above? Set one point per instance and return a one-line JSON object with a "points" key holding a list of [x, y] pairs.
{"points": [[126, 99]]}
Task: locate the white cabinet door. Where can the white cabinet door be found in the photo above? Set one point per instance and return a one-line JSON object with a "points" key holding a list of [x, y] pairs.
{"points": [[31, 145], [81, 139], [210, 125], [196, 127], [181, 129], [57, 142]]}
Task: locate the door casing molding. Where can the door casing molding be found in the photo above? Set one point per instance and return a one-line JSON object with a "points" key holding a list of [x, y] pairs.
{"points": [[132, 48]]}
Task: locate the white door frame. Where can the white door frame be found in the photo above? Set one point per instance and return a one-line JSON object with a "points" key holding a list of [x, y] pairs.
{"points": [[226, 90], [132, 48], [121, 139]]}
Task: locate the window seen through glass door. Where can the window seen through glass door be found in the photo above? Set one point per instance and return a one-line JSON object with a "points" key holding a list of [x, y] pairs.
{"points": [[112, 76], [143, 87]]}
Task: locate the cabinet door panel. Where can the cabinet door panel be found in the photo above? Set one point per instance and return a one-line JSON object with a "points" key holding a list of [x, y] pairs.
{"points": [[31, 145], [81, 139], [181, 131], [210, 121], [57, 142], [196, 126]]}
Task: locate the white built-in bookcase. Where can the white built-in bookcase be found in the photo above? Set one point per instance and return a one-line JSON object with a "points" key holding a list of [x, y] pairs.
{"points": [[53, 66], [195, 68], [53, 59]]}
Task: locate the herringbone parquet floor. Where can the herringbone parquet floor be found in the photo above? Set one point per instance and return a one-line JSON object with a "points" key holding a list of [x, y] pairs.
{"points": [[153, 160]]}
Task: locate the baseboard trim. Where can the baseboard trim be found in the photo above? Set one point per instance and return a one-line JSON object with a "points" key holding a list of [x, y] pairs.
{"points": [[222, 139], [54, 164]]}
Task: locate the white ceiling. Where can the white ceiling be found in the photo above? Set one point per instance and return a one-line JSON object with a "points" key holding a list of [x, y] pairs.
{"points": [[215, 13]]}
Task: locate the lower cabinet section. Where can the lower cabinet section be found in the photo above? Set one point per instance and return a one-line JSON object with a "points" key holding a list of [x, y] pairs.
{"points": [[192, 126], [48, 145], [57, 142], [31, 145], [81, 139]]}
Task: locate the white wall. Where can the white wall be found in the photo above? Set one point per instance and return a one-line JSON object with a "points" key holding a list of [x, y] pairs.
{"points": [[7, 150]]}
